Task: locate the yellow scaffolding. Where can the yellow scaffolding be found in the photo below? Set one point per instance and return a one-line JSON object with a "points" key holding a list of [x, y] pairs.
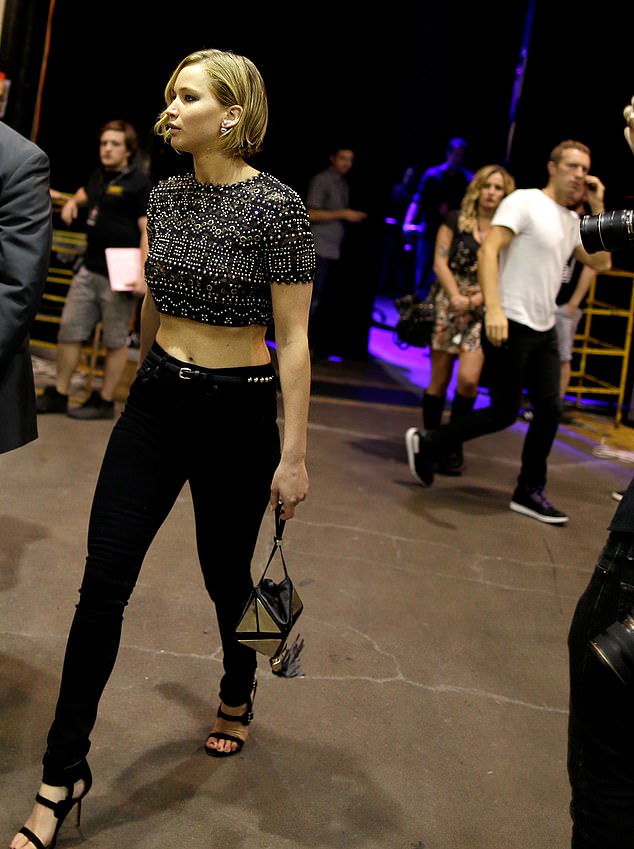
{"points": [[67, 247], [589, 346]]}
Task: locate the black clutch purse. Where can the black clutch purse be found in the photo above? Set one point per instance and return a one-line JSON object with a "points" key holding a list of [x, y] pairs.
{"points": [[271, 612], [416, 319]]}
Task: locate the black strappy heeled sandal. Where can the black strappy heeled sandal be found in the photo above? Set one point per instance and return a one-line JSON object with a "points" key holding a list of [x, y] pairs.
{"points": [[61, 809], [244, 719]]}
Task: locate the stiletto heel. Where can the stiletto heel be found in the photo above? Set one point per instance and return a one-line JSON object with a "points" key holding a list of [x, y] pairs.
{"points": [[78, 813], [242, 719], [61, 809]]}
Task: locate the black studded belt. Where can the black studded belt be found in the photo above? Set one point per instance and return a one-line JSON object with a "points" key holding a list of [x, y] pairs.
{"points": [[245, 375]]}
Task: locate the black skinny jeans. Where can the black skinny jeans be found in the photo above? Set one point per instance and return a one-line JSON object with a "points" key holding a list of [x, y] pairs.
{"points": [[529, 359], [221, 438], [601, 715]]}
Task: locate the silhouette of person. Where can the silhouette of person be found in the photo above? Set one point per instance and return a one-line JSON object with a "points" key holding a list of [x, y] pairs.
{"points": [[441, 189], [328, 203]]}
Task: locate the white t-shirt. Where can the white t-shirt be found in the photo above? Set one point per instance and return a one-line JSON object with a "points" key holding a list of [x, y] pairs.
{"points": [[545, 234]]}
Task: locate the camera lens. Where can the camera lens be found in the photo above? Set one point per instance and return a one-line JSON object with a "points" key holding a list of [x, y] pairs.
{"points": [[615, 647], [607, 231]]}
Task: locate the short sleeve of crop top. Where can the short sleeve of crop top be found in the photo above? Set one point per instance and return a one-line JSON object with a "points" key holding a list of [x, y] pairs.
{"points": [[215, 251]]}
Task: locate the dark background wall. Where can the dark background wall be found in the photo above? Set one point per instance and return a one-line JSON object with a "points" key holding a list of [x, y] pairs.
{"points": [[395, 84]]}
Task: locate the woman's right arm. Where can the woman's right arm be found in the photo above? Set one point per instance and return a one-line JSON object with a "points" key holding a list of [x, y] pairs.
{"points": [[445, 276]]}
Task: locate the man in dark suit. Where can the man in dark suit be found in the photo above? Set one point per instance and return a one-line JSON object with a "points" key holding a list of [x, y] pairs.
{"points": [[25, 245]]}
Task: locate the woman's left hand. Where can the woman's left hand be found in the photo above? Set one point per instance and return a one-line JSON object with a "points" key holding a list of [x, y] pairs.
{"points": [[289, 486]]}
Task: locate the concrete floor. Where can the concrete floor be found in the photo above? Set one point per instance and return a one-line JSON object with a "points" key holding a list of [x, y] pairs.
{"points": [[432, 709]]}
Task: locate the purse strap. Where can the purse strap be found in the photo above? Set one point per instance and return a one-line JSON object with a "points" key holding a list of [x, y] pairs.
{"points": [[277, 541], [279, 522]]}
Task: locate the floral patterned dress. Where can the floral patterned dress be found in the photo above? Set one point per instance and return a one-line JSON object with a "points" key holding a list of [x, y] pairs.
{"points": [[456, 332]]}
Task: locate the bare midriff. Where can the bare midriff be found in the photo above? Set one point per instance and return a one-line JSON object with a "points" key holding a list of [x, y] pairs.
{"points": [[210, 346]]}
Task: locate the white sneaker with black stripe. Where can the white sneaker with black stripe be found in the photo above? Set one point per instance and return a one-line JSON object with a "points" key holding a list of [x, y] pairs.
{"points": [[533, 503]]}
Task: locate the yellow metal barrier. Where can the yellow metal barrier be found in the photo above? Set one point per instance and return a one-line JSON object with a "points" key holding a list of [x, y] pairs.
{"points": [[606, 333]]}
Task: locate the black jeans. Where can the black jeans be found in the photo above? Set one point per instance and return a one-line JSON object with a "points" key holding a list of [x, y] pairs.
{"points": [[528, 359], [601, 715], [223, 439]]}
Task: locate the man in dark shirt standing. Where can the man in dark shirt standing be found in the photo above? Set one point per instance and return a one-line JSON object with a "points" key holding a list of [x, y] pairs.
{"points": [[115, 197], [328, 209], [441, 189]]}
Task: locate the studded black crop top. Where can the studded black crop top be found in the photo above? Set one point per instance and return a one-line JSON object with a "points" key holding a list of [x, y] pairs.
{"points": [[215, 250]]}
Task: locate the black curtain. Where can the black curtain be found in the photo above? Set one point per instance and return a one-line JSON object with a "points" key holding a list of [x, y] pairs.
{"points": [[22, 58]]}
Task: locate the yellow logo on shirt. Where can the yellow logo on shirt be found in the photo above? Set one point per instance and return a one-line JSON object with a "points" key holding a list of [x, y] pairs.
{"points": [[114, 190]]}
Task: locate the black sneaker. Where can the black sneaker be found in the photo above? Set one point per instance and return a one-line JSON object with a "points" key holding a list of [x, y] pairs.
{"points": [[51, 401], [617, 494], [94, 407], [534, 503], [419, 457]]}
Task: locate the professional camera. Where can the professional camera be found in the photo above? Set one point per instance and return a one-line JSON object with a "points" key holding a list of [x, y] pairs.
{"points": [[615, 647], [607, 231]]}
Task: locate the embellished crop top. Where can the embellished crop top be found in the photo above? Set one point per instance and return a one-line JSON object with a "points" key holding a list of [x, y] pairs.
{"points": [[214, 250]]}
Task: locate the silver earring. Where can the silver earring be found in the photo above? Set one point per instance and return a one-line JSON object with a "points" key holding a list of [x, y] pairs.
{"points": [[224, 130]]}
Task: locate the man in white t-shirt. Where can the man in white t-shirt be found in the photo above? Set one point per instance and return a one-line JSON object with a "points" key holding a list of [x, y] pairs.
{"points": [[533, 234]]}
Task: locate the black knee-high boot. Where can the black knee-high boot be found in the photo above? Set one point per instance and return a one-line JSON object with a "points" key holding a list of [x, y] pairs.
{"points": [[433, 406], [460, 406], [453, 461]]}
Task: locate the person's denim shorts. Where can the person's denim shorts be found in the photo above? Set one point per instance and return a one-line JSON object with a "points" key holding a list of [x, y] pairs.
{"points": [[90, 299]]}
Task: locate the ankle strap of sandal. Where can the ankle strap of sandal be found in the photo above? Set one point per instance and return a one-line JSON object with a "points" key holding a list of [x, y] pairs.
{"points": [[58, 808], [243, 718]]}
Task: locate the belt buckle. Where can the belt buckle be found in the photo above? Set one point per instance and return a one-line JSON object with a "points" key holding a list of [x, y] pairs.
{"points": [[185, 373]]}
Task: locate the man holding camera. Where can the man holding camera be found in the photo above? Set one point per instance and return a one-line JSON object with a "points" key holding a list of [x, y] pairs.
{"points": [[601, 655], [520, 263]]}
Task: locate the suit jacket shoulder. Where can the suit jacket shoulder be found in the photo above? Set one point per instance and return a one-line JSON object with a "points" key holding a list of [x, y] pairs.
{"points": [[25, 245]]}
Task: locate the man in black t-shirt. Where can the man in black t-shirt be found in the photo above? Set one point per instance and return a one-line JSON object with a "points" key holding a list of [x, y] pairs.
{"points": [[575, 282], [115, 197]]}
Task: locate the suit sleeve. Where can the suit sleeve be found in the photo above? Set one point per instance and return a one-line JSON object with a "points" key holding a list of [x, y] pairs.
{"points": [[25, 245]]}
